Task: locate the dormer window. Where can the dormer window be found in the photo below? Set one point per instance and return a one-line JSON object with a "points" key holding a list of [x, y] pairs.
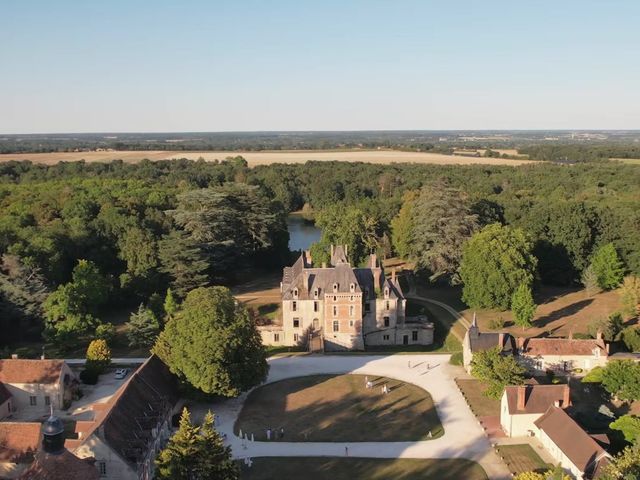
{"points": [[386, 292], [352, 287], [335, 287], [315, 293], [295, 293]]}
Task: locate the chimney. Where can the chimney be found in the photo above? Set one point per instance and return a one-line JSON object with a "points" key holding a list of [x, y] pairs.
{"points": [[305, 280], [599, 335], [501, 339], [393, 275], [373, 258], [522, 397], [376, 278], [14, 356], [324, 264], [520, 343], [566, 396]]}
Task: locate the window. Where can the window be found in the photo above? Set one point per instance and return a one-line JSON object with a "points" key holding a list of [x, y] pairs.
{"points": [[351, 298], [335, 299], [295, 293], [351, 323], [385, 337], [335, 287], [352, 310], [276, 337], [47, 400], [414, 335], [296, 323], [102, 468], [315, 293], [295, 337], [352, 287], [335, 311], [336, 325], [386, 292], [316, 306], [33, 401], [294, 306], [386, 321], [386, 305]]}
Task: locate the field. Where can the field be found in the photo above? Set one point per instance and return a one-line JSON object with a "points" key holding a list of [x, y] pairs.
{"points": [[267, 157], [321, 468], [339, 408]]}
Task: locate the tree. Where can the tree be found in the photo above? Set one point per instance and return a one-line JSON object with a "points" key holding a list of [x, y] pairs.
{"points": [[589, 279], [556, 474], [213, 344], [142, 328], [630, 295], [495, 261], [624, 466], [98, 354], [183, 261], [402, 225], [631, 338], [497, 370], [621, 378], [629, 425], [106, 332], [170, 304], [442, 222], [523, 306], [609, 327], [607, 267], [196, 453]]}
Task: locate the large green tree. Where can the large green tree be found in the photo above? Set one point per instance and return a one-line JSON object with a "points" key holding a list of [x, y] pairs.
{"points": [[621, 378], [442, 222], [523, 306], [402, 225], [213, 344], [497, 370], [495, 262], [607, 267], [183, 261], [629, 425], [196, 452], [143, 328]]}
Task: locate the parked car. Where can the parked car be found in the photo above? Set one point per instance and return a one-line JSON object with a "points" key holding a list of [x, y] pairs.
{"points": [[121, 373]]}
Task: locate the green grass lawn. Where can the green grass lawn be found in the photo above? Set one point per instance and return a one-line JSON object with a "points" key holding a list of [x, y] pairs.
{"points": [[339, 408], [322, 468], [522, 458], [481, 405]]}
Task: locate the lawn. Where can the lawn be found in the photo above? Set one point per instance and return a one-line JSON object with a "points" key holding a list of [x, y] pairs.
{"points": [[481, 405], [321, 468], [522, 458], [445, 339], [339, 408]]}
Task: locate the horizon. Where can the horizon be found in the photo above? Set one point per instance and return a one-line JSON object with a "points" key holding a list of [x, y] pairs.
{"points": [[79, 67]]}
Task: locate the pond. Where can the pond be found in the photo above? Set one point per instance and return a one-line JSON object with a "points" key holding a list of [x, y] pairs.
{"points": [[301, 233]]}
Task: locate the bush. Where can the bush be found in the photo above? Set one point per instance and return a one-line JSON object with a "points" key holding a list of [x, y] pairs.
{"points": [[456, 358], [496, 323], [98, 355], [106, 332], [89, 375]]}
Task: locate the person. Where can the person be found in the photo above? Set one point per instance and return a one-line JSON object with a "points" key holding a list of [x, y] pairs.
{"points": [[409, 363], [281, 433], [428, 367], [346, 451], [369, 385], [268, 433]]}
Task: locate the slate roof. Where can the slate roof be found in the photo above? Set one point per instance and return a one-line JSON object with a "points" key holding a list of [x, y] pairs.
{"points": [[63, 466], [133, 411], [30, 371], [583, 451], [538, 398], [487, 340], [563, 346], [18, 441]]}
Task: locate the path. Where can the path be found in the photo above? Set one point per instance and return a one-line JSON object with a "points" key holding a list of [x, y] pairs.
{"points": [[114, 361], [463, 437]]}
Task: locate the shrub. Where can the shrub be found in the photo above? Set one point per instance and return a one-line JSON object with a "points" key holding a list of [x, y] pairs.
{"points": [[98, 355], [89, 375], [456, 358], [496, 323], [106, 332], [631, 338]]}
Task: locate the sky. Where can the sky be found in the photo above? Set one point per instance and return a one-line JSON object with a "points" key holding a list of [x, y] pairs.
{"points": [[172, 66]]}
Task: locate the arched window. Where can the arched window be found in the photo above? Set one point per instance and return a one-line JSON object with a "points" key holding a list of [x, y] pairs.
{"points": [[352, 287], [386, 292], [335, 287], [295, 293]]}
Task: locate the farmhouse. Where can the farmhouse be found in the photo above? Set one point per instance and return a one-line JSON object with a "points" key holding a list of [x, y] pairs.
{"points": [[339, 307], [562, 355], [129, 430], [522, 405], [571, 446], [34, 386], [477, 341]]}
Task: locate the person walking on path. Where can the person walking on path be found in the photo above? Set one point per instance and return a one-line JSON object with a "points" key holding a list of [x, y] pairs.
{"points": [[346, 451], [281, 433], [269, 433]]}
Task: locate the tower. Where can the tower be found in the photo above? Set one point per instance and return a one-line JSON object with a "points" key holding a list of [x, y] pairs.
{"points": [[53, 436]]}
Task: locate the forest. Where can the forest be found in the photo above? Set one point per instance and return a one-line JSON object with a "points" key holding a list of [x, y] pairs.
{"points": [[78, 239]]}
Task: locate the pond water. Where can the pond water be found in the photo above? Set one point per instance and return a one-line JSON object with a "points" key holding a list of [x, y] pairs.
{"points": [[301, 234]]}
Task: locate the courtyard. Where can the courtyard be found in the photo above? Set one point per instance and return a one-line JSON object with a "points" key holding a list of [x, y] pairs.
{"points": [[461, 439], [334, 408]]}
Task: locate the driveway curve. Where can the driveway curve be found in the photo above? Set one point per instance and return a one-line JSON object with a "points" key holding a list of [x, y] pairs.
{"points": [[463, 437]]}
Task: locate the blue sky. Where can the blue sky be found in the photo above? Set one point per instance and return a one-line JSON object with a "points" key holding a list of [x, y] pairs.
{"points": [[96, 66]]}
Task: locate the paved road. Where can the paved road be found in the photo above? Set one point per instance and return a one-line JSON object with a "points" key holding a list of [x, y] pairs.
{"points": [[463, 437]]}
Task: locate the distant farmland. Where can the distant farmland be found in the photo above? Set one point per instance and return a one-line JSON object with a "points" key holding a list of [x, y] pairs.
{"points": [[267, 157]]}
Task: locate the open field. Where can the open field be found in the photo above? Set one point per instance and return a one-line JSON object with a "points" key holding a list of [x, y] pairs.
{"points": [[522, 458], [339, 408], [321, 468], [267, 157]]}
